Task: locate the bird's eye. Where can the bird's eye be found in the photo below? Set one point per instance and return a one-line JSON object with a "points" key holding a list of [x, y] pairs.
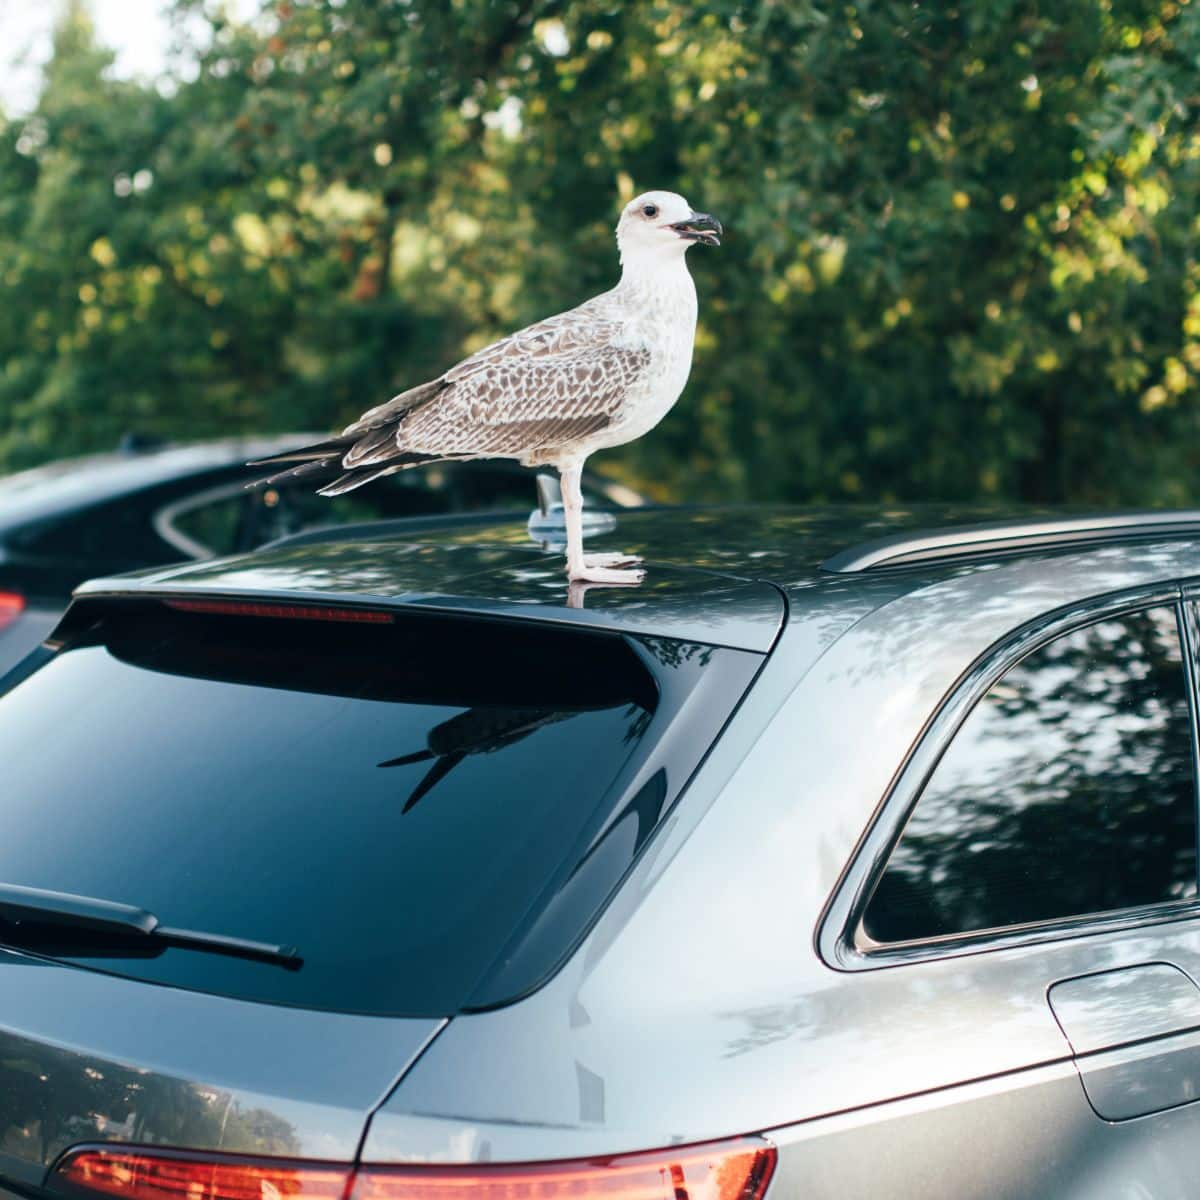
{"points": [[651, 210]]}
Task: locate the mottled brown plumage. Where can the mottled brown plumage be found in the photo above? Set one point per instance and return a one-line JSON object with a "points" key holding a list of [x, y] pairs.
{"points": [[545, 387]]}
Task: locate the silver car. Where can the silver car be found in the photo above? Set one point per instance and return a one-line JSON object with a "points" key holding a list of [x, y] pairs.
{"points": [[852, 855]]}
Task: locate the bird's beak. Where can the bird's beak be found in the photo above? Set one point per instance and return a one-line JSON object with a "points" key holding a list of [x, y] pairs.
{"points": [[700, 227]]}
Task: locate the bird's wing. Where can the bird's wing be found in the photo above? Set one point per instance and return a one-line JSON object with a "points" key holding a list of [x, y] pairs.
{"points": [[561, 334], [512, 407], [397, 406], [578, 328], [549, 383]]}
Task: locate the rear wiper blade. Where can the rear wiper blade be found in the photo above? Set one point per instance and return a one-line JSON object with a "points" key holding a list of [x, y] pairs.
{"points": [[27, 906]]}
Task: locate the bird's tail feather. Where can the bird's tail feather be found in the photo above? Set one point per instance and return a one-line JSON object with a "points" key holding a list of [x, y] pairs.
{"points": [[395, 408], [359, 475], [308, 470], [364, 451], [371, 447], [331, 447]]}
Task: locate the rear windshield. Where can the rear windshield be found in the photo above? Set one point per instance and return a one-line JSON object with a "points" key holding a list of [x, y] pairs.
{"points": [[431, 810]]}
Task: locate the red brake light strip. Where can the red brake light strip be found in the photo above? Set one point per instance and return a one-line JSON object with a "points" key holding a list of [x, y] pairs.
{"points": [[292, 612]]}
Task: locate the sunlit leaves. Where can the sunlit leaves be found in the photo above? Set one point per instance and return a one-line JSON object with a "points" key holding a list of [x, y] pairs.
{"points": [[961, 252]]}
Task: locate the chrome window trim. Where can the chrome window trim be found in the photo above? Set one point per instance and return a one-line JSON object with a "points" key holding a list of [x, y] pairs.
{"points": [[164, 519], [1189, 632], [840, 940], [596, 492]]}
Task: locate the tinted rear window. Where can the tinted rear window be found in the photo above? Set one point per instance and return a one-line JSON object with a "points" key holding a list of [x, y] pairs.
{"points": [[420, 807]]}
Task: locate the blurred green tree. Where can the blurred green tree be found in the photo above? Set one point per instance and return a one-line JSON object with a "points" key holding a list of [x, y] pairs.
{"points": [[961, 259]]}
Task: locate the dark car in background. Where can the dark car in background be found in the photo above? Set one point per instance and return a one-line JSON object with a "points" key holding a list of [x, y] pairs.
{"points": [[844, 858], [148, 504]]}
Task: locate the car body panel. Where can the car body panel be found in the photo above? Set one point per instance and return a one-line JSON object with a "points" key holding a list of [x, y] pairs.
{"points": [[1112, 1008], [88, 1057], [1023, 1137], [22, 635], [740, 1025], [67, 484], [1135, 1033]]}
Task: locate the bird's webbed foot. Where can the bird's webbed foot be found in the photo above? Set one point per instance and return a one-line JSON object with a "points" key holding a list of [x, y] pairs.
{"points": [[585, 573], [614, 559]]}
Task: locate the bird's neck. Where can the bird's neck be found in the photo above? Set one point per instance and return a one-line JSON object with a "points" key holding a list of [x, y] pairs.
{"points": [[655, 273]]}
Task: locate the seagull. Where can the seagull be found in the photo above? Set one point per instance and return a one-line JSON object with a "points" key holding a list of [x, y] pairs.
{"points": [[595, 376]]}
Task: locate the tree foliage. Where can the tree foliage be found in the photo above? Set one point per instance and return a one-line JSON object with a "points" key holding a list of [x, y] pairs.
{"points": [[962, 257]]}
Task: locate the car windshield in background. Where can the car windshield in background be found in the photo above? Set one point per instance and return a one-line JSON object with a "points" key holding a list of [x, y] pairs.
{"points": [[431, 810]]}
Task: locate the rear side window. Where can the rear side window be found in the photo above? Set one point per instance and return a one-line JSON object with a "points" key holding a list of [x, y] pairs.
{"points": [[430, 809], [242, 520], [1069, 790]]}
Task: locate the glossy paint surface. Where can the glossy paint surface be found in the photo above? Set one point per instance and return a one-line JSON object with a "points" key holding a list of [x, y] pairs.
{"points": [[87, 1057], [1136, 1037], [924, 546], [714, 574], [1026, 1137], [786, 545], [1099, 1012], [68, 484], [495, 580], [1144, 1079], [699, 1005], [19, 638]]}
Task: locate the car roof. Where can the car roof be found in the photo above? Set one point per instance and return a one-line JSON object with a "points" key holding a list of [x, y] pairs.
{"points": [[796, 547], [68, 484], [725, 576]]}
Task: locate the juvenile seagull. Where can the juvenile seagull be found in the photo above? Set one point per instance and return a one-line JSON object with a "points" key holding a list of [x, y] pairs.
{"points": [[595, 376]]}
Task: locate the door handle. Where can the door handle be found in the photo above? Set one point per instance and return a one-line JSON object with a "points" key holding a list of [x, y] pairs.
{"points": [[1135, 1037]]}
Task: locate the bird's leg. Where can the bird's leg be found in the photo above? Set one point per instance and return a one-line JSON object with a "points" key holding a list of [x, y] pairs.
{"points": [[617, 558], [580, 567]]}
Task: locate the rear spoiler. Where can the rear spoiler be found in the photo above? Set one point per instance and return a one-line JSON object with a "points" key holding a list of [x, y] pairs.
{"points": [[677, 603]]}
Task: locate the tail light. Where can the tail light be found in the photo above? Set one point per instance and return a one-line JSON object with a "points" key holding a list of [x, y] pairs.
{"points": [[143, 1175], [287, 612], [737, 1170], [732, 1170], [12, 605]]}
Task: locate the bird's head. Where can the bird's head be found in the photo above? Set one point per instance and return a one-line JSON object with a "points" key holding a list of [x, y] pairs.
{"points": [[657, 224]]}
